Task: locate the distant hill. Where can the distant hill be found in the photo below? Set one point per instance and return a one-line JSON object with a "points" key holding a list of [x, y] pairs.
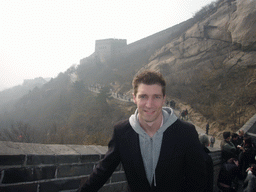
{"points": [[16, 92], [209, 62]]}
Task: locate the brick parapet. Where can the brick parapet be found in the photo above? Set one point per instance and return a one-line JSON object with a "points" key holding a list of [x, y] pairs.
{"points": [[50, 168]]}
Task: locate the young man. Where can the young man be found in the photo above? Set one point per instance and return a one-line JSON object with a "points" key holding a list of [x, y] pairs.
{"points": [[240, 137], [204, 140], [228, 149], [158, 151]]}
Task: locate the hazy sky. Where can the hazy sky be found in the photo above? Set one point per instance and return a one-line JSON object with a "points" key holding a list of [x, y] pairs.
{"points": [[41, 38]]}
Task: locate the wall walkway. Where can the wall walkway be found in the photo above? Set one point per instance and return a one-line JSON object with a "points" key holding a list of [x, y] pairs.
{"points": [[250, 127]]}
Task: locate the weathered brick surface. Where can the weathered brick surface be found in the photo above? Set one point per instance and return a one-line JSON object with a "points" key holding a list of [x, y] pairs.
{"points": [[114, 187], [29, 187], [89, 158], [59, 185], [118, 177], [16, 175], [67, 159], [59, 171], [74, 170], [40, 159], [46, 172], [12, 160], [26, 174]]}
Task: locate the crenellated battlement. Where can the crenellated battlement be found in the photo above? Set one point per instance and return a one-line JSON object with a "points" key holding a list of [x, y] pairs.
{"points": [[106, 48]]}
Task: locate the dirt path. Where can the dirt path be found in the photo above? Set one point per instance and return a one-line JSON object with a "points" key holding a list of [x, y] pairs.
{"points": [[200, 123]]}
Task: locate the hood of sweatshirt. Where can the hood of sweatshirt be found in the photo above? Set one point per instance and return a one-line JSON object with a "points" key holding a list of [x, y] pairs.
{"points": [[151, 146]]}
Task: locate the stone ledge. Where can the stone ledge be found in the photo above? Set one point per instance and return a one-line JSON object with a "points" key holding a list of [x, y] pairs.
{"points": [[9, 161], [17, 148]]}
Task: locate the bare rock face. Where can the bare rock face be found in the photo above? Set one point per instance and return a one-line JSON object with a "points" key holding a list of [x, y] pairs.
{"points": [[216, 42], [243, 24], [213, 62]]}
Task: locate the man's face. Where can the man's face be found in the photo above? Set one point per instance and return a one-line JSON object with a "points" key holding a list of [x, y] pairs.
{"points": [[149, 100]]}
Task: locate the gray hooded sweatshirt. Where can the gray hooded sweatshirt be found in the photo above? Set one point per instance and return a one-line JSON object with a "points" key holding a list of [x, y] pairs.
{"points": [[150, 146]]}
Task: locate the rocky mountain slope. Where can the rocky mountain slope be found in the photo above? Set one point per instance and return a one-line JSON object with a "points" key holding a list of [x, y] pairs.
{"points": [[212, 66], [209, 63]]}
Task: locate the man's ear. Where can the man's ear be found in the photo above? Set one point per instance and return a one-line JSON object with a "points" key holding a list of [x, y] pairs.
{"points": [[134, 98]]}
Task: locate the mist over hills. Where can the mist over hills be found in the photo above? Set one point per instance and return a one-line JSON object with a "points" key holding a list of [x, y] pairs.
{"points": [[209, 63], [18, 91]]}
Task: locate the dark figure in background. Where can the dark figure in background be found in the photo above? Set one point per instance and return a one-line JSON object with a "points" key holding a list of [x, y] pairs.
{"points": [[246, 156], [212, 140], [207, 128], [234, 140], [228, 176], [228, 149], [240, 137], [158, 151], [172, 104], [184, 115], [250, 181], [204, 140]]}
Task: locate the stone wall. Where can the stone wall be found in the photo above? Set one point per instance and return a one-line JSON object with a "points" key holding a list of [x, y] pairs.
{"points": [[50, 168], [150, 43], [106, 48]]}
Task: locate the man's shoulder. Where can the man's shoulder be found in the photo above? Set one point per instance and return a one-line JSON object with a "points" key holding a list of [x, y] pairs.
{"points": [[181, 128], [183, 124], [122, 125], [123, 128]]}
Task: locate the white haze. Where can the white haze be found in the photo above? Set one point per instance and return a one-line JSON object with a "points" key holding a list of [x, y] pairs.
{"points": [[43, 38]]}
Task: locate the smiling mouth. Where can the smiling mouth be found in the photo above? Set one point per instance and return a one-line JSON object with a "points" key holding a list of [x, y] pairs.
{"points": [[149, 112]]}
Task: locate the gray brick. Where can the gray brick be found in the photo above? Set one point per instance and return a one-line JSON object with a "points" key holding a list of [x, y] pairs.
{"points": [[12, 159], [31, 187], [59, 185], [40, 159], [117, 177], [74, 170], [67, 159], [89, 158], [46, 172], [15, 175]]}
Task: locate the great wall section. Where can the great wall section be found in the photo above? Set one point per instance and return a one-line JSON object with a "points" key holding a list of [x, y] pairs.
{"points": [[28, 167], [106, 48]]}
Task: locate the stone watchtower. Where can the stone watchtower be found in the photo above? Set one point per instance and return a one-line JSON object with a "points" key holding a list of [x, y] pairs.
{"points": [[107, 48]]}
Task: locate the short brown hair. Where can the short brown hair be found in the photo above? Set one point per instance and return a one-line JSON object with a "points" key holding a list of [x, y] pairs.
{"points": [[226, 134], [148, 77]]}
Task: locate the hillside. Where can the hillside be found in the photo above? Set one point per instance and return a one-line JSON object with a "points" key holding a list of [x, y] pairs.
{"points": [[212, 65], [209, 63]]}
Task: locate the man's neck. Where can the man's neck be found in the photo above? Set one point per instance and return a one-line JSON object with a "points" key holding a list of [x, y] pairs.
{"points": [[151, 127]]}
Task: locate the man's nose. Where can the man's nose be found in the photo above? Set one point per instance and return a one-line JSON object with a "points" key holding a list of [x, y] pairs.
{"points": [[149, 102]]}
